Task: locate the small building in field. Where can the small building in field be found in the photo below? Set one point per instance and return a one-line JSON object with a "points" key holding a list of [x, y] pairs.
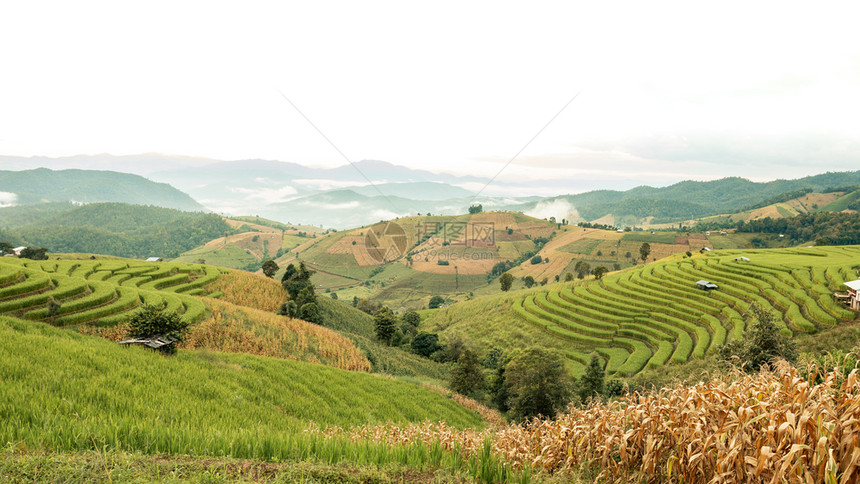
{"points": [[706, 285], [155, 259], [155, 342], [742, 259], [17, 250], [852, 297]]}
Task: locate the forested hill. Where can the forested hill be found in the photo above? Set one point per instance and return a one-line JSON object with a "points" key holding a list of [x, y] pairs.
{"points": [[692, 199], [116, 229], [87, 186]]}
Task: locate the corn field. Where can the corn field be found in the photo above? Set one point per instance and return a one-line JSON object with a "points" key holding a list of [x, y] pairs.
{"points": [[250, 290], [771, 428]]}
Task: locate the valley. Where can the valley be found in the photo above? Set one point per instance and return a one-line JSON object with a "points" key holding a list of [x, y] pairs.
{"points": [[329, 387]]}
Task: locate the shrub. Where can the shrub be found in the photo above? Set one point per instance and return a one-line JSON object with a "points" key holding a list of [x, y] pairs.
{"points": [[536, 383], [435, 302], [466, 376], [506, 281], [151, 320], [425, 344], [763, 343]]}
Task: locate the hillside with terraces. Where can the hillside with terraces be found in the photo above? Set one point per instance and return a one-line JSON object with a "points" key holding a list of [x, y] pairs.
{"points": [[653, 315]]}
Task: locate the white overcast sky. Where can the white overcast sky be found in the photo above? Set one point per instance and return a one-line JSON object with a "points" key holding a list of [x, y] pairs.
{"points": [[668, 91]]}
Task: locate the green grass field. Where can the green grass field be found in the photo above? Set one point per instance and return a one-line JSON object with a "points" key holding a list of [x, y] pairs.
{"points": [[63, 391], [230, 255]]}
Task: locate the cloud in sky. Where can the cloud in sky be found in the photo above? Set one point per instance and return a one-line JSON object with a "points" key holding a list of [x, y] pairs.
{"points": [[8, 199], [668, 89], [266, 195]]}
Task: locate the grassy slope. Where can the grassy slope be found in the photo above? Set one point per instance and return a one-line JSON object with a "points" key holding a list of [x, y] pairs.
{"points": [[490, 321], [264, 294], [358, 327], [62, 390]]}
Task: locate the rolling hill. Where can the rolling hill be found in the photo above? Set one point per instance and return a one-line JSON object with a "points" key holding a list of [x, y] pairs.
{"points": [[654, 314], [88, 186], [116, 229]]}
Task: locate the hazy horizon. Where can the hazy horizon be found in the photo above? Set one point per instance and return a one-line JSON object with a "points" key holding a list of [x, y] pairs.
{"points": [[664, 92]]}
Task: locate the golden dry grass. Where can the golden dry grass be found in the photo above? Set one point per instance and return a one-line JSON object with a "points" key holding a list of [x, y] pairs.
{"points": [[771, 428], [251, 290], [244, 330], [235, 329]]}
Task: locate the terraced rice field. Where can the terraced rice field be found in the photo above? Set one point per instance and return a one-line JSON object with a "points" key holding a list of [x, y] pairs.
{"points": [[656, 315], [101, 292]]}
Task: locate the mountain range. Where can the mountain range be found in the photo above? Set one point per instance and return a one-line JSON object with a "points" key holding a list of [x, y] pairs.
{"points": [[367, 191]]}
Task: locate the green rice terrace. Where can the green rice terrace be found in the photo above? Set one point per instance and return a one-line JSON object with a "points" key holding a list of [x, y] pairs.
{"points": [[103, 291], [656, 315]]}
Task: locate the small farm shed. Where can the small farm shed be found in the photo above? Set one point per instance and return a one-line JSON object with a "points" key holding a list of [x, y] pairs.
{"points": [[742, 259], [155, 341], [706, 285], [155, 259], [852, 298]]}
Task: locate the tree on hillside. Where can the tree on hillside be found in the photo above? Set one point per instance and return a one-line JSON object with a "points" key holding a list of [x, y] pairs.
{"points": [[295, 279], [473, 209], [506, 281], [385, 323], [34, 253], [6, 248], [529, 281], [366, 305], [425, 344], [591, 383], [467, 376], [289, 309], [762, 343], [568, 277], [582, 269], [644, 250], [536, 383], [435, 302], [599, 271], [411, 318], [270, 267], [155, 320], [310, 312]]}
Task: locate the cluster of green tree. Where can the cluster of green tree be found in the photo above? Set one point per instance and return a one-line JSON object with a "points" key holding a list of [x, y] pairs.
{"points": [[526, 383], [589, 225], [782, 197], [34, 253], [263, 221], [825, 228], [846, 189], [302, 303], [396, 331], [647, 207], [122, 230], [727, 195], [473, 209], [499, 268]]}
